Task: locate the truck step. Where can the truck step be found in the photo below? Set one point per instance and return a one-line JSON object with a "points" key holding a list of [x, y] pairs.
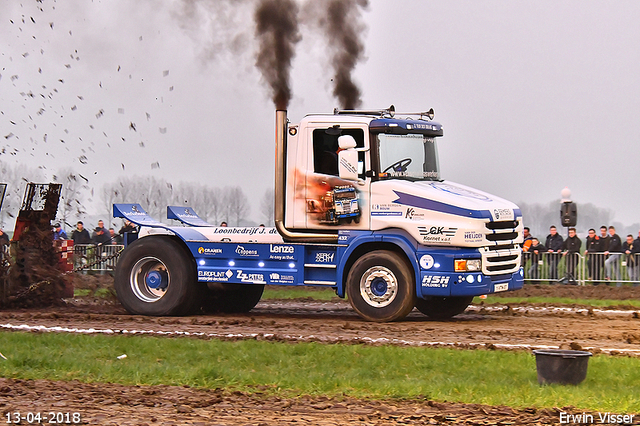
{"points": [[313, 282]]}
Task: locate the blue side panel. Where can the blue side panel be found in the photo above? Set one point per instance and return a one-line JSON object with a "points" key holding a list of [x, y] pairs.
{"points": [[274, 264], [185, 215], [277, 264]]}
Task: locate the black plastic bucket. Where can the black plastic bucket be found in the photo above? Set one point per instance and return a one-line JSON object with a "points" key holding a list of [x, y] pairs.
{"points": [[561, 366]]}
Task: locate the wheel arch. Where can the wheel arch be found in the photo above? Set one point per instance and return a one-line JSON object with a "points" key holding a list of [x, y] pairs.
{"points": [[397, 243], [179, 242]]}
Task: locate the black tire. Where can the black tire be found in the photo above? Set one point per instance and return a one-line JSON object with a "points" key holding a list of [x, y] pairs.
{"points": [[443, 307], [231, 298], [157, 276], [381, 286]]}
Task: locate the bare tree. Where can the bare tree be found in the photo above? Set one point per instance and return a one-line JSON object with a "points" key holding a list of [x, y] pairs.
{"points": [[16, 177], [214, 202], [237, 204], [267, 206], [152, 193], [72, 195]]}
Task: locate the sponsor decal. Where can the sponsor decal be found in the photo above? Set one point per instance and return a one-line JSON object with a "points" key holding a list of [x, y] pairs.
{"points": [[241, 251], [435, 281], [473, 237], [504, 214], [411, 214], [324, 257], [426, 261], [188, 214], [282, 252], [209, 251], [437, 234], [385, 210], [245, 231], [275, 277], [347, 165], [399, 214], [280, 249], [215, 275], [250, 278]]}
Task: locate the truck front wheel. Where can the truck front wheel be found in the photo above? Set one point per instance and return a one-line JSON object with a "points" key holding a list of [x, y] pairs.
{"points": [[156, 276], [443, 307], [380, 286]]}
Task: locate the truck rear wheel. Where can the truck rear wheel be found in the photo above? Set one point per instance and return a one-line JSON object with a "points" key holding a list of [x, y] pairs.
{"points": [[381, 287], [443, 307], [232, 298], [156, 276]]}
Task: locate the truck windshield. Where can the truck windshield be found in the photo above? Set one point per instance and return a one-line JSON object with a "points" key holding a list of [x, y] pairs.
{"points": [[410, 157]]}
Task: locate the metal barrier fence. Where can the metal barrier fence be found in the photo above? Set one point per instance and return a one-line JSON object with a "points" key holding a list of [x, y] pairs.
{"points": [[91, 254], [573, 268]]}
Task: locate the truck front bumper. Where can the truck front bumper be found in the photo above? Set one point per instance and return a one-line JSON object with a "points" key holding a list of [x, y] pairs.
{"points": [[468, 283]]}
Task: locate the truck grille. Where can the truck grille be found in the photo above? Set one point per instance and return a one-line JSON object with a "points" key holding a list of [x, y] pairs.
{"points": [[503, 260], [502, 232]]}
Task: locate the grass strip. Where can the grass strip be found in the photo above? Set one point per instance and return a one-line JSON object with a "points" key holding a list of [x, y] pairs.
{"points": [[471, 376], [287, 292], [557, 301]]}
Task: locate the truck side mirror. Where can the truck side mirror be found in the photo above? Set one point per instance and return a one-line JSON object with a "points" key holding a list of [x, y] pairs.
{"points": [[347, 158]]}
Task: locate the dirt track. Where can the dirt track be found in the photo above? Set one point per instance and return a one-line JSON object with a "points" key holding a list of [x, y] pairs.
{"points": [[489, 327]]}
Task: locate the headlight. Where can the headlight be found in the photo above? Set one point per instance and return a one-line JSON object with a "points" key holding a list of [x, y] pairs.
{"points": [[464, 265]]}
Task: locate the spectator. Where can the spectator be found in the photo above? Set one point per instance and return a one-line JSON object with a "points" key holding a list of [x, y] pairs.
{"points": [[571, 247], [100, 234], [536, 251], [592, 248], [613, 261], [4, 239], [604, 247], [526, 243], [80, 235], [127, 227], [554, 247], [58, 232], [113, 237], [631, 248], [223, 224]]}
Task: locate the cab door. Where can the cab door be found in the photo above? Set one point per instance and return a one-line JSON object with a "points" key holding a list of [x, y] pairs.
{"points": [[336, 189]]}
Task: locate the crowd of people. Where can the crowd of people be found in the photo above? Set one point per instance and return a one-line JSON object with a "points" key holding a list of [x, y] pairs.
{"points": [[603, 253], [100, 234]]}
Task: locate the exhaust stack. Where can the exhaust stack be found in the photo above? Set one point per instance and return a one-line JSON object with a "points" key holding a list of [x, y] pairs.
{"points": [[281, 187]]}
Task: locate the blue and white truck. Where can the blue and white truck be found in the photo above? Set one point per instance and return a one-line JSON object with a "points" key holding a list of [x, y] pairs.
{"points": [[407, 238]]}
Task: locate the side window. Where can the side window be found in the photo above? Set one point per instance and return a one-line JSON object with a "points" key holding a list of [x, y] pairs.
{"points": [[325, 149]]}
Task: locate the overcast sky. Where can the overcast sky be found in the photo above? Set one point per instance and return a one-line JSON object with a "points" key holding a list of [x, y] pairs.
{"points": [[534, 96]]}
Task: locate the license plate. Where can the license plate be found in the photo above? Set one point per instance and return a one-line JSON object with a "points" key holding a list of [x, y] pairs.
{"points": [[501, 287]]}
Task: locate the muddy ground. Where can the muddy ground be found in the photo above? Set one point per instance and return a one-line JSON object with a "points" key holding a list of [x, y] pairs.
{"points": [[482, 327], [109, 404]]}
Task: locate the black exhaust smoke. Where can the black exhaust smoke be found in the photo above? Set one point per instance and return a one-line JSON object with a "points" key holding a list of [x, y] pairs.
{"points": [[340, 21], [277, 32]]}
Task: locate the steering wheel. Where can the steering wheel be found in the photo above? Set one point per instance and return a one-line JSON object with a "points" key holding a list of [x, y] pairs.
{"points": [[399, 166]]}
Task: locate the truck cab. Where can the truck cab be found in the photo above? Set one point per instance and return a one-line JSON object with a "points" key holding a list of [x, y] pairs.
{"points": [[393, 168]]}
